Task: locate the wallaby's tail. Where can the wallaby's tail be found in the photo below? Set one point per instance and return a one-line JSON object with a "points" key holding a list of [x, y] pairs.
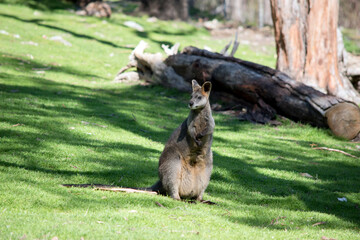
{"points": [[157, 187]]}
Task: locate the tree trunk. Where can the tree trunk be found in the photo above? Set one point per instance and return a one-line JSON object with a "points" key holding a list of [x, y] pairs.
{"points": [[306, 44], [263, 91], [166, 9]]}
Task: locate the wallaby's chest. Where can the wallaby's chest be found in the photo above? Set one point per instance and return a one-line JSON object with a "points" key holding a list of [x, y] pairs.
{"points": [[199, 123], [196, 158]]}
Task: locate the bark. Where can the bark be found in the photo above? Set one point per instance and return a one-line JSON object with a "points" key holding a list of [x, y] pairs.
{"points": [[306, 44], [263, 91]]}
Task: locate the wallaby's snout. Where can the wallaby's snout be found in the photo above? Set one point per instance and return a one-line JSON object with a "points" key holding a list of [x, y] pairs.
{"points": [[191, 103]]}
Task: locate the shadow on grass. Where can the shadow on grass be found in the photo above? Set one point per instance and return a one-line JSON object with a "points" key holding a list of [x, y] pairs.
{"points": [[43, 119], [12, 62], [39, 106], [255, 187], [146, 35], [44, 5], [38, 22]]}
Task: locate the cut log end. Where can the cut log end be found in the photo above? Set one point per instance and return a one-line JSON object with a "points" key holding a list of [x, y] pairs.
{"points": [[344, 120]]}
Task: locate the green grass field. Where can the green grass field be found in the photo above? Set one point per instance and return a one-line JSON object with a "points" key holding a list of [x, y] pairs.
{"points": [[63, 120]]}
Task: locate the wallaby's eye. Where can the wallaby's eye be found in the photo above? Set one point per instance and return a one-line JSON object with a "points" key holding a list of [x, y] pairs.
{"points": [[199, 98]]}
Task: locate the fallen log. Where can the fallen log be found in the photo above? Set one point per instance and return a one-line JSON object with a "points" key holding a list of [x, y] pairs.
{"points": [[265, 92]]}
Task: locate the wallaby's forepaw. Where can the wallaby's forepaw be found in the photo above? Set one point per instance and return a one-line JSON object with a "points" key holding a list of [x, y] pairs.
{"points": [[198, 141]]}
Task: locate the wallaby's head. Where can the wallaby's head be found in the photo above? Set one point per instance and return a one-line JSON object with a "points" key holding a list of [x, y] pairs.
{"points": [[200, 95]]}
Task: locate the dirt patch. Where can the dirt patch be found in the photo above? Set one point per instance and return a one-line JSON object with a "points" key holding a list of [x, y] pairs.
{"points": [[263, 38]]}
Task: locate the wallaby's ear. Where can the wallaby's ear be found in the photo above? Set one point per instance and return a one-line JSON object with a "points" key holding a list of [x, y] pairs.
{"points": [[195, 85], [206, 88]]}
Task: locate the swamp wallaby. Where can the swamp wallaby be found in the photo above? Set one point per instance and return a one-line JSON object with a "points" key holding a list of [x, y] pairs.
{"points": [[186, 163]]}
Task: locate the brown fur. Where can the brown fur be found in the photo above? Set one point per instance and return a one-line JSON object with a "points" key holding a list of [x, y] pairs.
{"points": [[186, 163]]}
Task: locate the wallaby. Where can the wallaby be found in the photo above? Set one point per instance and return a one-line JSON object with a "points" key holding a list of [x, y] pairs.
{"points": [[186, 163]]}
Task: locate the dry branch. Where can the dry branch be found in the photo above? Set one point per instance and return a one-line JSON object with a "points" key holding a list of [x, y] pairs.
{"points": [[109, 188], [128, 190], [335, 150]]}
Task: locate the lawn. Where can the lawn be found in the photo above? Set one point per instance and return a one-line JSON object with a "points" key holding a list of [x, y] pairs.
{"points": [[63, 120]]}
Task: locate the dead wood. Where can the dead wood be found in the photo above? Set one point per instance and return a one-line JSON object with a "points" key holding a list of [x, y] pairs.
{"points": [[335, 150], [109, 188], [262, 92], [159, 204]]}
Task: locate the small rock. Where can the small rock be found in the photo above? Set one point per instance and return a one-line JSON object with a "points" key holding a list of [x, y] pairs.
{"points": [[306, 175], [4, 32], [211, 25], [134, 25], [152, 19], [30, 43], [61, 40], [99, 34], [207, 48]]}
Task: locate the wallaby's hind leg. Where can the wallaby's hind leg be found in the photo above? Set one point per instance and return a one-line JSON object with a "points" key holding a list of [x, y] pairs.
{"points": [[170, 171], [200, 197], [174, 192]]}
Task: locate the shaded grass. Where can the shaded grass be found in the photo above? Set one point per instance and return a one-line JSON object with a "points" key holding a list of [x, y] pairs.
{"points": [[62, 120], [43, 5]]}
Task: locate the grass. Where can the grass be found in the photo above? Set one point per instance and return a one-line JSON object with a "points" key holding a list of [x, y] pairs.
{"points": [[351, 39], [62, 120]]}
